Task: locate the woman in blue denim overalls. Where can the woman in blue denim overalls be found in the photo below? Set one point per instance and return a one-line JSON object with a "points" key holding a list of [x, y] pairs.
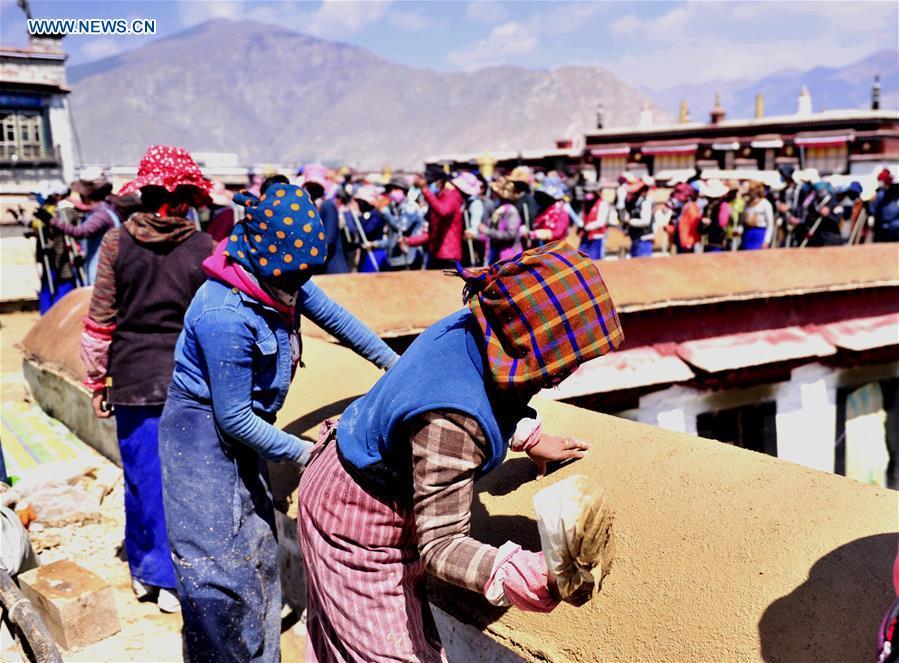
{"points": [[233, 364]]}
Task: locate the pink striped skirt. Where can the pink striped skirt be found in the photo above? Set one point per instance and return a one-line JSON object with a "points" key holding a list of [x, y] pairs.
{"points": [[365, 581]]}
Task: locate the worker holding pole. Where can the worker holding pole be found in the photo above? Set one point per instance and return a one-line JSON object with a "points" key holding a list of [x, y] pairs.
{"points": [[58, 266]]}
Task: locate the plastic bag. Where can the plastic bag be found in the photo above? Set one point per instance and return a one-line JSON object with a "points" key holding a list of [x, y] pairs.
{"points": [[575, 522], [16, 553]]}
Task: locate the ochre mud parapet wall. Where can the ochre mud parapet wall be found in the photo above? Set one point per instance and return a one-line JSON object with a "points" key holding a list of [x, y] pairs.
{"points": [[722, 554]]}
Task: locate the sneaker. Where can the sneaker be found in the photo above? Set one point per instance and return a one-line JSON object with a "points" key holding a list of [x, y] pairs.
{"points": [[168, 601], [141, 591]]}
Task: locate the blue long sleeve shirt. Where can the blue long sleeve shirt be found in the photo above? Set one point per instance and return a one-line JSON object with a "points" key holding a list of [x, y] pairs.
{"points": [[234, 354], [330, 217]]}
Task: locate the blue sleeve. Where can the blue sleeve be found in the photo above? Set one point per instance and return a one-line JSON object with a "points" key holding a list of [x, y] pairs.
{"points": [[227, 341], [390, 218], [878, 200], [344, 326], [331, 221]]}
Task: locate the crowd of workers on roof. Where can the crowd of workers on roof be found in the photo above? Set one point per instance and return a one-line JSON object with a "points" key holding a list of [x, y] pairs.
{"points": [[431, 221], [191, 341]]}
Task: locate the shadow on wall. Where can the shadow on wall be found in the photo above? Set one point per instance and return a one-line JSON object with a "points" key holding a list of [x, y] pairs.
{"points": [[285, 477], [313, 419], [834, 615]]}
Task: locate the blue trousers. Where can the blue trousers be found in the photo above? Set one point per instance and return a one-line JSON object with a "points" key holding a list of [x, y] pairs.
{"points": [[594, 248], [45, 300], [641, 248], [146, 539], [753, 239], [365, 262], [222, 530]]}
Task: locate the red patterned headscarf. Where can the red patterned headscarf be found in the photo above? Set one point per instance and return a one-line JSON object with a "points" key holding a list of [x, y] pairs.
{"points": [[168, 167], [542, 314]]}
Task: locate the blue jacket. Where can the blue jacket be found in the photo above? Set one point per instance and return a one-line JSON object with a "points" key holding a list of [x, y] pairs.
{"points": [[403, 221], [373, 223], [330, 216], [443, 369], [234, 355], [886, 212]]}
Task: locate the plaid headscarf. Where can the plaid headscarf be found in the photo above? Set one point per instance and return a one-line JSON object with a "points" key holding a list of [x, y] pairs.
{"points": [[542, 314], [280, 233]]}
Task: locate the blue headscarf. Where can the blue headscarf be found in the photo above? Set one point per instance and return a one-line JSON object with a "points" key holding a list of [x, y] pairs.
{"points": [[281, 233]]}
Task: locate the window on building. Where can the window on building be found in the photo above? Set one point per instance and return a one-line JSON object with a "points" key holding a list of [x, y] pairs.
{"points": [[871, 451], [750, 427], [827, 160], [22, 134], [612, 167], [662, 162]]}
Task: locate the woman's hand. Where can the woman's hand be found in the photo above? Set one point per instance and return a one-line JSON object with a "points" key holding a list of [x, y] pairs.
{"points": [[551, 449], [98, 403]]}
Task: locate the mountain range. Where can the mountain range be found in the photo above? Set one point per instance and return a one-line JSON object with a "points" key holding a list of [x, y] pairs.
{"points": [[831, 88], [272, 95]]}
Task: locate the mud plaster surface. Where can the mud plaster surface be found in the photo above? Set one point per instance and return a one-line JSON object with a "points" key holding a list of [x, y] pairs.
{"points": [[56, 338]]}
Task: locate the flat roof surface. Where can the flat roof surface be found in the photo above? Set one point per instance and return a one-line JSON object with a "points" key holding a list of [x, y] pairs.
{"points": [[402, 303]]}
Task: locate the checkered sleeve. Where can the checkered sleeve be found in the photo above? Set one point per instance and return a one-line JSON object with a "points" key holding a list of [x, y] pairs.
{"points": [[447, 449]]}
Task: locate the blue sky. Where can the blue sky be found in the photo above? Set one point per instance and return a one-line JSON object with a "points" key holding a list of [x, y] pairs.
{"points": [[655, 44]]}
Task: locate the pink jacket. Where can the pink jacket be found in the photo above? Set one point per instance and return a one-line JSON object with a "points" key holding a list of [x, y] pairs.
{"points": [[555, 219], [444, 235]]}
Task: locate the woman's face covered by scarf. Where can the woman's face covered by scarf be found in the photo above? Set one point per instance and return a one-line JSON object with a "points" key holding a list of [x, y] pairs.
{"points": [[281, 240], [542, 314]]}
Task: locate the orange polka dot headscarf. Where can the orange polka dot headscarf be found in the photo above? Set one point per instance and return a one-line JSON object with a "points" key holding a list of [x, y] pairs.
{"points": [[280, 233]]}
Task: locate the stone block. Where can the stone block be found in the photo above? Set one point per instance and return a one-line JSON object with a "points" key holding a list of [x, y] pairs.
{"points": [[76, 605]]}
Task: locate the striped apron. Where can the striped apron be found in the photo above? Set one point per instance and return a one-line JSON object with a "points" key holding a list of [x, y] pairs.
{"points": [[365, 581]]}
